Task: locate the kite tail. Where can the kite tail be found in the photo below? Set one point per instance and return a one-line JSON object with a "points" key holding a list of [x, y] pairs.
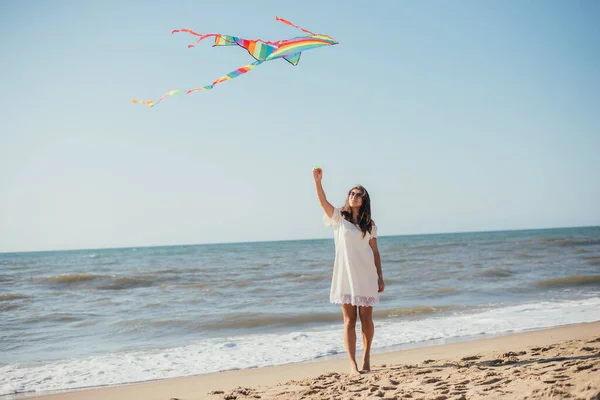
{"points": [[285, 21], [218, 37], [151, 103], [200, 36], [231, 75]]}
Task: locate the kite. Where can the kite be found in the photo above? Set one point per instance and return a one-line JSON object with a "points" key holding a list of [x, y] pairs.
{"points": [[262, 51]]}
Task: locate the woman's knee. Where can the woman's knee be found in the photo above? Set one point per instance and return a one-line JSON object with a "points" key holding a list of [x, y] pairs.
{"points": [[350, 313], [366, 314], [350, 321]]}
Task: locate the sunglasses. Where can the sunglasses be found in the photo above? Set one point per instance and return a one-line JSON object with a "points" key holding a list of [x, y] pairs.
{"points": [[358, 195]]}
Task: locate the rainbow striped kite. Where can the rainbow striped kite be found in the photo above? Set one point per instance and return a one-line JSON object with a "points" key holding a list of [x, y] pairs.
{"points": [[290, 50]]}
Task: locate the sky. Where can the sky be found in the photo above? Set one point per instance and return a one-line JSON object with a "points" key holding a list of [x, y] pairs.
{"points": [[456, 116]]}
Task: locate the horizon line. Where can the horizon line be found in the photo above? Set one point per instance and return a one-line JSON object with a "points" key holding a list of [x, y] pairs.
{"points": [[291, 240]]}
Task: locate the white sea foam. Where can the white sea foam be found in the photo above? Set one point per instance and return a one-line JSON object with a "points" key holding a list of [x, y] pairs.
{"points": [[242, 352]]}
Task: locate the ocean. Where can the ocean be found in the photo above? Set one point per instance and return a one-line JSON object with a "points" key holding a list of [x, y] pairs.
{"points": [[87, 318]]}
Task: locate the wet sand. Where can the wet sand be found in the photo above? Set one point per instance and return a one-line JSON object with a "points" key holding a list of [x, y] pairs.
{"points": [[558, 363]]}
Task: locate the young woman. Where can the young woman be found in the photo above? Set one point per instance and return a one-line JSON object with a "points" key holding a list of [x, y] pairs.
{"points": [[357, 278]]}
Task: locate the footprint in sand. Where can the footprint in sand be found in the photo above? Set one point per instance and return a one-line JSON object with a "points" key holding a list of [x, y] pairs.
{"points": [[513, 354], [356, 389], [236, 393], [388, 384], [427, 371], [550, 392], [470, 358], [489, 381]]}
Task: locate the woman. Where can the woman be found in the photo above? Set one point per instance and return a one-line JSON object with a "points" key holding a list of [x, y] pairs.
{"points": [[357, 278]]}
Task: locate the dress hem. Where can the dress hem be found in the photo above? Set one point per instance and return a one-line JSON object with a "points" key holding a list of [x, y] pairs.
{"points": [[362, 301]]}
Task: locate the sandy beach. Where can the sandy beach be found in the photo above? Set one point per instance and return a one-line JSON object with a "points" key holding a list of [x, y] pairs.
{"points": [[555, 363]]}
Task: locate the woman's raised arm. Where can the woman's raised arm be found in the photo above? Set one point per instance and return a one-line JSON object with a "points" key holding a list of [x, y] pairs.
{"points": [[327, 207]]}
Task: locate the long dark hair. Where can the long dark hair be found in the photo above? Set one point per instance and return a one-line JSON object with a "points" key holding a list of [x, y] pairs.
{"points": [[364, 214]]}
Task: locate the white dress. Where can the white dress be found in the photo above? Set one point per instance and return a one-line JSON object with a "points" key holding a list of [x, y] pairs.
{"points": [[355, 279]]}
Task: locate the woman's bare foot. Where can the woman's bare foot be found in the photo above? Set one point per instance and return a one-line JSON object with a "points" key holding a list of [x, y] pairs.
{"points": [[366, 364], [354, 369]]}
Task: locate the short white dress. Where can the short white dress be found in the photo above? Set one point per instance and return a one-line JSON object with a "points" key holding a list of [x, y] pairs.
{"points": [[355, 279]]}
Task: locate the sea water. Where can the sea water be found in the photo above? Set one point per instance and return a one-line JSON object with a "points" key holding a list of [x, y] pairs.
{"points": [[86, 318]]}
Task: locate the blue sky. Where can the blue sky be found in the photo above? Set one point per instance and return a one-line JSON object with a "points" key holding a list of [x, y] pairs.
{"points": [[456, 116]]}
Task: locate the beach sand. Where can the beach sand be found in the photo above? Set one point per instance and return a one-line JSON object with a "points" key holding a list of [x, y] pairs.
{"points": [[559, 363]]}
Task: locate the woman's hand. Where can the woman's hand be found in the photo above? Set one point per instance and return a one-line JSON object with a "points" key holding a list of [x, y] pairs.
{"points": [[318, 174], [381, 284]]}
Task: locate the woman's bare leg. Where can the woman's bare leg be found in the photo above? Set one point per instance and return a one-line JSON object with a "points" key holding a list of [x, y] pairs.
{"points": [[349, 312], [368, 331]]}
